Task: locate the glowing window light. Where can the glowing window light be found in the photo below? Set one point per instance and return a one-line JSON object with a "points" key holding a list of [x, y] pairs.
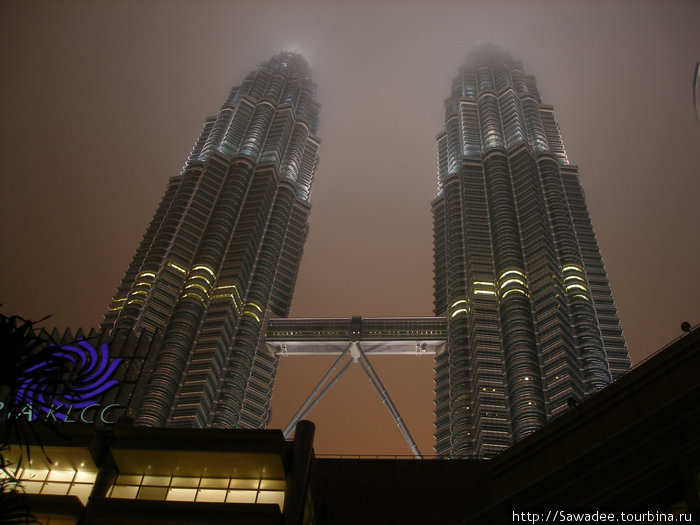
{"points": [[195, 295], [572, 267], [147, 274], [572, 286], [226, 296], [484, 292], [143, 283], [211, 495], [226, 289], [241, 496], [117, 306], [271, 496], [461, 310], [193, 277], [205, 268], [251, 314], [202, 277], [508, 272], [181, 494], [258, 308], [514, 280], [176, 267], [574, 277], [57, 482], [483, 283], [135, 301], [458, 302], [198, 286], [582, 297], [514, 290]]}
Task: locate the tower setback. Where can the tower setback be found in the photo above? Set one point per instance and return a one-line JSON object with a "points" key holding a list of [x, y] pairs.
{"points": [[221, 256], [532, 326]]}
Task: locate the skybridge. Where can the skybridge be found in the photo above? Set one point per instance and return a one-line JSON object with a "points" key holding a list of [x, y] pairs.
{"points": [[352, 340]]}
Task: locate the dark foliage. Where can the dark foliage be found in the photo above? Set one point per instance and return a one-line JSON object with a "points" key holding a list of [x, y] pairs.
{"points": [[27, 364], [13, 505]]}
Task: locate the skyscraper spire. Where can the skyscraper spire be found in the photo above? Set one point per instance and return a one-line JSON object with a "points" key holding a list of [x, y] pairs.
{"points": [[518, 273], [222, 254]]}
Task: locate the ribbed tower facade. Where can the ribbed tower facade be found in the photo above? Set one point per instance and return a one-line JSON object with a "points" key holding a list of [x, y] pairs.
{"points": [[532, 325], [221, 255]]}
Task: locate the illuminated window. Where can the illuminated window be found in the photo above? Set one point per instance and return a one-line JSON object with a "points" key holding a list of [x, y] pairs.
{"points": [[213, 490], [57, 482]]}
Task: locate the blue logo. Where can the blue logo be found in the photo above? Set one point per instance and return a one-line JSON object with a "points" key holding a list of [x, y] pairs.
{"points": [[93, 373]]}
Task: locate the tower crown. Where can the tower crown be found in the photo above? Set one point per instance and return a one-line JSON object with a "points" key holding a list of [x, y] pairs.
{"points": [[494, 105]]}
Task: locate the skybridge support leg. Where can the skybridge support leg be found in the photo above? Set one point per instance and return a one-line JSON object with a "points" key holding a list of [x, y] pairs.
{"points": [[359, 355], [311, 401], [323, 393]]}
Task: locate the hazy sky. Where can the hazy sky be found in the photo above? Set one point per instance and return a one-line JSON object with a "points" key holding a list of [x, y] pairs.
{"points": [[101, 102]]}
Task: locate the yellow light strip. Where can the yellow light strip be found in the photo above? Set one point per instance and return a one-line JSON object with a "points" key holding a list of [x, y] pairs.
{"points": [[198, 286], [483, 283], [251, 314], [582, 297], [515, 280], [572, 267], [256, 306], [518, 272], [514, 290], [570, 286], [484, 292], [193, 294], [178, 268], [147, 274], [458, 302], [205, 279], [205, 268], [574, 277], [235, 296], [461, 310]]}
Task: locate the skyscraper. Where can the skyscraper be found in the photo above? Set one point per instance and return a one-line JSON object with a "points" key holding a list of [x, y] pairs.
{"points": [[532, 325], [221, 255]]}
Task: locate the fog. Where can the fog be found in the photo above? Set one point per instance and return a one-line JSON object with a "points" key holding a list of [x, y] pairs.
{"points": [[102, 101]]}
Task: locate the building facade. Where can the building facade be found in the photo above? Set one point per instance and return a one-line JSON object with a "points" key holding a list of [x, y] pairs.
{"points": [[219, 257], [639, 435], [532, 325]]}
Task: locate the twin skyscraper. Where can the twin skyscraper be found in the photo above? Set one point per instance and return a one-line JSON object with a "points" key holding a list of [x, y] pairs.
{"points": [[532, 323], [519, 281]]}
